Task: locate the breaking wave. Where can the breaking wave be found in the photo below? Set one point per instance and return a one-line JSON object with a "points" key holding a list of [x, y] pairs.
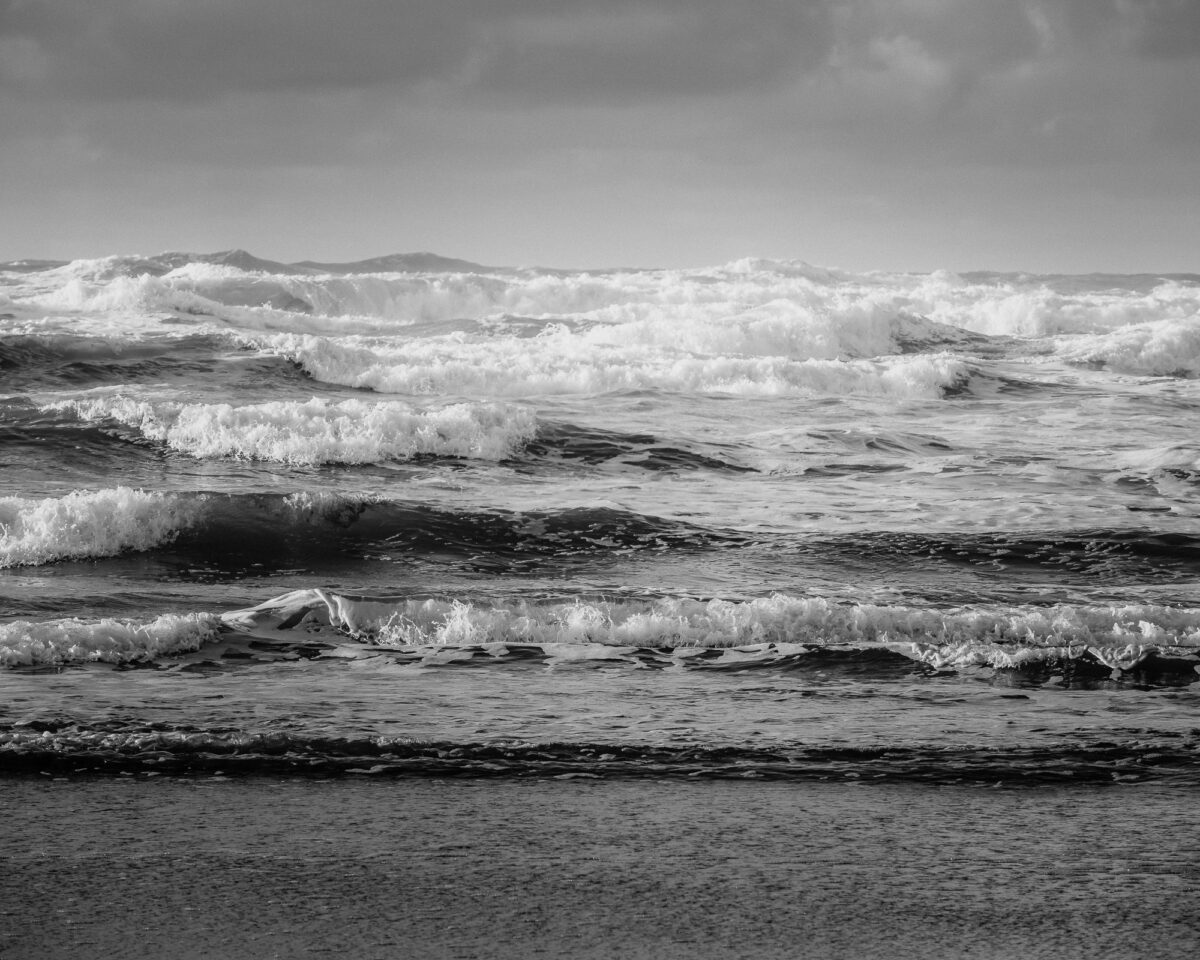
{"points": [[89, 524], [55, 642], [1164, 348], [1158, 642], [559, 364], [794, 306], [774, 629], [317, 431], [272, 530]]}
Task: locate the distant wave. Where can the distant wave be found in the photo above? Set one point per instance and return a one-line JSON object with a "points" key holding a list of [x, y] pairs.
{"points": [[815, 309], [565, 365]]}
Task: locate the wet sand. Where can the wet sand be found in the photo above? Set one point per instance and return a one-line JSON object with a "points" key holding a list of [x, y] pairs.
{"points": [[139, 868]]}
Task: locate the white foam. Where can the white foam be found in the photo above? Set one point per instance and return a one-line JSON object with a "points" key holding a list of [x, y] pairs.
{"points": [[1161, 348], [317, 430], [759, 307], [27, 643], [88, 524], [779, 625], [562, 363], [1153, 459], [1033, 308], [139, 294]]}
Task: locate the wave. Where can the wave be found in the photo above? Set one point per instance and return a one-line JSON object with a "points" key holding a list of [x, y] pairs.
{"points": [[316, 431], [33, 360], [126, 746], [1164, 348], [571, 442], [325, 432], [234, 532], [56, 642], [797, 309], [1180, 461], [561, 364], [1062, 644], [89, 524], [773, 630]]}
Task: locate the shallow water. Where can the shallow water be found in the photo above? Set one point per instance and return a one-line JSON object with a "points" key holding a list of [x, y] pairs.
{"points": [[200, 867]]}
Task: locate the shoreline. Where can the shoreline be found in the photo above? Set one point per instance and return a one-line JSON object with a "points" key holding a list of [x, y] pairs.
{"points": [[429, 867]]}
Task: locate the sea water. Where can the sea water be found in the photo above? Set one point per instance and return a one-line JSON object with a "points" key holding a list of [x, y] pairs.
{"points": [[414, 516]]}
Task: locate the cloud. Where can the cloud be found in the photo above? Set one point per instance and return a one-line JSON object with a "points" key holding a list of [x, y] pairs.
{"points": [[638, 50], [553, 51], [757, 119], [186, 50], [1154, 29], [191, 51]]}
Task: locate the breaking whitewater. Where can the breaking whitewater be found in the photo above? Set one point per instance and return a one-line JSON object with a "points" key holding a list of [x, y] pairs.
{"points": [[417, 516]]}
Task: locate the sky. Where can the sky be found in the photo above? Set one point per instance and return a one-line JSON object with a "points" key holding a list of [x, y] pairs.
{"points": [[1039, 135]]}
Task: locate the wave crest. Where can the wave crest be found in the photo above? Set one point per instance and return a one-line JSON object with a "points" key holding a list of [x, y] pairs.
{"points": [[1119, 637], [54, 642], [562, 365], [318, 431], [1169, 348], [87, 524]]}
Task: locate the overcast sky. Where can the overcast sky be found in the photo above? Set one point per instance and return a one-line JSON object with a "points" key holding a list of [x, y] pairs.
{"points": [[1048, 135]]}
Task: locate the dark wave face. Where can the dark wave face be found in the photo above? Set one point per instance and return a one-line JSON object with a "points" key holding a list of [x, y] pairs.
{"points": [[47, 362], [1093, 555], [555, 444], [571, 443], [55, 363], [224, 537], [252, 532]]}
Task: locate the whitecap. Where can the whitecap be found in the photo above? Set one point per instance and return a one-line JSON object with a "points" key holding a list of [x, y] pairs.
{"points": [[86, 524], [317, 431]]}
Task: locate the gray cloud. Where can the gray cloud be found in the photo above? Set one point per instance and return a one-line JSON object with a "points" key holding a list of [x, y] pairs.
{"points": [[631, 50], [783, 119], [1166, 29], [193, 51], [552, 50], [547, 51]]}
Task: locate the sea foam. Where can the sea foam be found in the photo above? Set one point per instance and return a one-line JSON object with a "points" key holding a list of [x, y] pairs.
{"points": [[755, 306], [1161, 348], [561, 363], [318, 431], [88, 524], [1002, 637], [26, 643]]}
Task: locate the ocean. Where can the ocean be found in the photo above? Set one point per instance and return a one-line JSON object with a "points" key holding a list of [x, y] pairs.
{"points": [[417, 607], [415, 516]]}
